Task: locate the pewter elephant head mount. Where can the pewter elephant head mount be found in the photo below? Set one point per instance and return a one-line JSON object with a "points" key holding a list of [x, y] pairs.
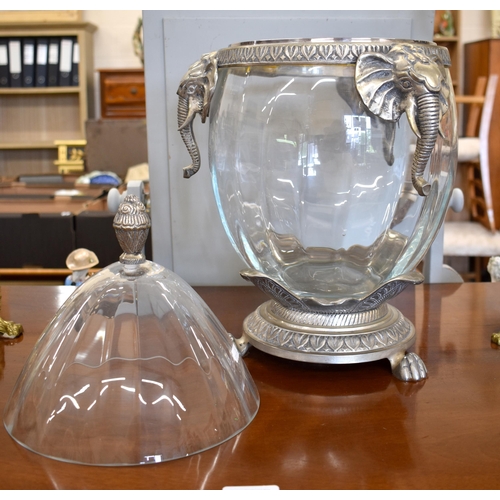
{"points": [[195, 93], [390, 78], [406, 80]]}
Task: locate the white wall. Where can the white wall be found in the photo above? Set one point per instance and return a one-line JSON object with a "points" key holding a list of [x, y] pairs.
{"points": [[475, 25], [112, 42]]}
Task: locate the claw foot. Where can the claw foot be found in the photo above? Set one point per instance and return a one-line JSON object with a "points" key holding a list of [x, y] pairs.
{"points": [[409, 368], [242, 344]]}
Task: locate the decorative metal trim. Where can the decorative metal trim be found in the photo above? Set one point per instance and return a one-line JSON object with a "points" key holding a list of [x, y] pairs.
{"points": [[311, 51], [336, 338], [300, 319], [312, 305], [349, 340]]}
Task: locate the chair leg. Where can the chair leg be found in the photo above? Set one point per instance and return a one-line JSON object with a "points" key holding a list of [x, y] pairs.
{"points": [[478, 261]]}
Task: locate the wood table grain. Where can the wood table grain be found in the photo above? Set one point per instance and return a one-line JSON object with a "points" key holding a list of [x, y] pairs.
{"points": [[319, 426]]}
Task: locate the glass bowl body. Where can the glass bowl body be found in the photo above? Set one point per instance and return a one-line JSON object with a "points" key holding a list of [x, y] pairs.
{"points": [[133, 369], [303, 186]]}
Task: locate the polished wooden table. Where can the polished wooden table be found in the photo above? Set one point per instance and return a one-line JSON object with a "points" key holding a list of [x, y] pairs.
{"points": [[319, 426]]}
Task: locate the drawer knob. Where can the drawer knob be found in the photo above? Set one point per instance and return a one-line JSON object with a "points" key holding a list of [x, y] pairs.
{"points": [[133, 90]]}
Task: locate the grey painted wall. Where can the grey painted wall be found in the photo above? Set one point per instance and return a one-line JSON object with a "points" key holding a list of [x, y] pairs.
{"points": [[187, 233]]}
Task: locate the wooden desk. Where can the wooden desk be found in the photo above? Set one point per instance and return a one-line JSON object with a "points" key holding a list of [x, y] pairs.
{"points": [[25, 200], [42, 225], [319, 426]]}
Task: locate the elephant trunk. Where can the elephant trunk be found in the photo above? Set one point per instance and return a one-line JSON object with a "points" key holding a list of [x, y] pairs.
{"points": [[186, 130], [428, 126]]}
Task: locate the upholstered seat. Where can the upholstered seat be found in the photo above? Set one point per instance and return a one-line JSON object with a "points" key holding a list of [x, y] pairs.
{"points": [[473, 152], [468, 149], [468, 238]]}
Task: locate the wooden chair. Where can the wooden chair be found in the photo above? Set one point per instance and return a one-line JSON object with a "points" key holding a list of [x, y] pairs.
{"points": [[476, 237]]}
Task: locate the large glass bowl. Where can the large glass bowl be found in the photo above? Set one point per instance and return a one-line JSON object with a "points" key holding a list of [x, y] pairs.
{"points": [[332, 164], [306, 188]]}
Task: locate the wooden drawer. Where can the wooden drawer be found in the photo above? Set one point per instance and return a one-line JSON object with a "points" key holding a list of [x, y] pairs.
{"points": [[122, 93]]}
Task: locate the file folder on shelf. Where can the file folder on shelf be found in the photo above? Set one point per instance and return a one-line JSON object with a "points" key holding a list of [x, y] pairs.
{"points": [[53, 63], [28, 67], [75, 80], [4, 63], [15, 62], [42, 51], [65, 62]]}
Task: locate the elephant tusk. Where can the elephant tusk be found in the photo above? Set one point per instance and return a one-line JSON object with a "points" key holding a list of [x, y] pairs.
{"points": [[388, 142], [411, 113], [440, 131], [189, 119]]}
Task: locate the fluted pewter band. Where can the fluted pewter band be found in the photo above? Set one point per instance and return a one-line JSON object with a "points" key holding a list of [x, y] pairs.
{"points": [[371, 301], [323, 50]]}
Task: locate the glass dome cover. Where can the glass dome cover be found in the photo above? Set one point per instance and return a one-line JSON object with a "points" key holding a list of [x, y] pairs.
{"points": [[134, 368]]}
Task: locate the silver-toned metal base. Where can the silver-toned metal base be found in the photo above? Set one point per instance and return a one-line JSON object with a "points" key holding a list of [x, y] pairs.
{"points": [[379, 333]]}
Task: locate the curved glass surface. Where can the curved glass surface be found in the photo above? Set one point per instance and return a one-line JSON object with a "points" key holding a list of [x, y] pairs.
{"points": [[133, 369], [312, 189]]}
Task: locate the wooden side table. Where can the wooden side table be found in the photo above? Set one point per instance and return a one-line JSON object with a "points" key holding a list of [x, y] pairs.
{"points": [[122, 93]]}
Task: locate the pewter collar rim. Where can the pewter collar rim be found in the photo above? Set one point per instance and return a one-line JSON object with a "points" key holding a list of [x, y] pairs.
{"points": [[291, 41], [317, 51]]}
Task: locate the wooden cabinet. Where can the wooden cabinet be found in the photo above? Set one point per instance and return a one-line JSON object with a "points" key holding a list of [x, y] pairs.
{"points": [[31, 119], [452, 43], [122, 93], [482, 58]]}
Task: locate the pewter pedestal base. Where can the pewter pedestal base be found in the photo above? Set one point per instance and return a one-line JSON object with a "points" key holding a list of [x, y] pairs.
{"points": [[336, 338]]}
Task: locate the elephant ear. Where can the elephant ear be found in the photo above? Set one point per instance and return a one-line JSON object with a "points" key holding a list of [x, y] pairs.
{"points": [[435, 81], [375, 82], [444, 95]]}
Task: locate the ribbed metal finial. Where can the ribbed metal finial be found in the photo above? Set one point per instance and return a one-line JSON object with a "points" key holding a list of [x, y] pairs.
{"points": [[132, 225]]}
